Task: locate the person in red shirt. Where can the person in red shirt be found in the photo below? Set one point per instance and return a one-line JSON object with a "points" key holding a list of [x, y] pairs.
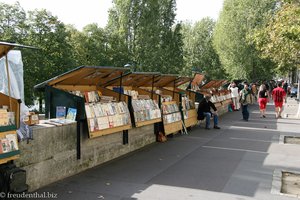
{"points": [[278, 95]]}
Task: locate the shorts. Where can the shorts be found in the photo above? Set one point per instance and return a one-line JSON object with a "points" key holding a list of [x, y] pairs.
{"points": [[262, 103], [278, 104]]}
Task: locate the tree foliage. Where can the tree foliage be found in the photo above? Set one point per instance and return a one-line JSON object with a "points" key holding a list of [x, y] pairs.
{"points": [[238, 54], [199, 53], [279, 39], [147, 29]]}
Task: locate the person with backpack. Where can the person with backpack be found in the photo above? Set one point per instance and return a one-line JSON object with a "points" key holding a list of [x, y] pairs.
{"points": [[246, 98]]}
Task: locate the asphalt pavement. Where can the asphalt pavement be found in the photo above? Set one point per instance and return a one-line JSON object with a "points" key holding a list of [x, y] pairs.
{"points": [[237, 162]]}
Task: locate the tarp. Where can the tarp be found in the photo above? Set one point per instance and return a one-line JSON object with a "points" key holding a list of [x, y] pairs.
{"points": [[15, 66]]}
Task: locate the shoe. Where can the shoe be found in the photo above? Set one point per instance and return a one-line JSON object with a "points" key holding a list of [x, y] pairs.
{"points": [[245, 120], [216, 127], [207, 128], [264, 116]]}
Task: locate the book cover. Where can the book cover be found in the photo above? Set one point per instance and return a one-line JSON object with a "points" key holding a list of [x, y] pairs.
{"points": [[1, 150], [71, 114], [60, 112], [5, 145], [87, 111], [12, 140]]}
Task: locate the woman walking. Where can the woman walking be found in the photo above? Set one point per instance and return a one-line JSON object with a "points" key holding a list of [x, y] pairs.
{"points": [[262, 100]]}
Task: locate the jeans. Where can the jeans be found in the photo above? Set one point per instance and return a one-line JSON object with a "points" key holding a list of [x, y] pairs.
{"points": [[245, 112], [208, 116]]}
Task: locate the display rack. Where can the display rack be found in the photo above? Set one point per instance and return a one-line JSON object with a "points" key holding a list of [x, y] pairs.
{"points": [[9, 149], [143, 104], [171, 117]]}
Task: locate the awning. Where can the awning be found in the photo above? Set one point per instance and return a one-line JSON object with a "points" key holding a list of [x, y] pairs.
{"points": [[197, 80], [5, 47], [213, 84], [134, 79], [84, 76]]}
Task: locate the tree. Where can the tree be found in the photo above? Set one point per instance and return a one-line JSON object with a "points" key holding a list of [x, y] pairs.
{"points": [[238, 54], [198, 49], [279, 39], [54, 55], [147, 29], [90, 45], [13, 26]]}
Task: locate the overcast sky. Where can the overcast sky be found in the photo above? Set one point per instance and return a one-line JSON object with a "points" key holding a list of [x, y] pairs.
{"points": [[81, 13]]}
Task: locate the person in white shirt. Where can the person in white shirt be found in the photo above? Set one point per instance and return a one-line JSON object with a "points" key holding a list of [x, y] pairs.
{"points": [[234, 95]]}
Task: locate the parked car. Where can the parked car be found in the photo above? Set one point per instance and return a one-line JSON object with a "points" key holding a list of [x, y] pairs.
{"points": [[294, 91]]}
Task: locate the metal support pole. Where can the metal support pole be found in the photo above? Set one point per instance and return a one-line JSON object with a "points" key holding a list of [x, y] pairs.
{"points": [[121, 79], [152, 87], [8, 83]]}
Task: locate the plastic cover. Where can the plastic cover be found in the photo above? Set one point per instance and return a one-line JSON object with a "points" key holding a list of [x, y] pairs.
{"points": [[15, 66]]}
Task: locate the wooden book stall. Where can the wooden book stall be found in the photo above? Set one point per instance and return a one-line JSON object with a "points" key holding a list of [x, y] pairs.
{"points": [[104, 110], [9, 113], [143, 104]]}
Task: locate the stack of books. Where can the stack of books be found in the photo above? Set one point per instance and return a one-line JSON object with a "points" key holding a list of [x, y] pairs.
{"points": [[6, 118], [171, 113], [145, 109], [187, 104], [173, 117], [106, 115], [8, 143], [170, 108], [166, 98]]}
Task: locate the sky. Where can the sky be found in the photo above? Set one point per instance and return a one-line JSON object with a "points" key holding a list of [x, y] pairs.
{"points": [[81, 13]]}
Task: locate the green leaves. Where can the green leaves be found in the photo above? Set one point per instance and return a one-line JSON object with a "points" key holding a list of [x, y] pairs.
{"points": [[279, 39], [237, 53]]}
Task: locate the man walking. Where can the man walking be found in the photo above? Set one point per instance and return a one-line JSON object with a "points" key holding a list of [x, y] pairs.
{"points": [[246, 98], [278, 95]]}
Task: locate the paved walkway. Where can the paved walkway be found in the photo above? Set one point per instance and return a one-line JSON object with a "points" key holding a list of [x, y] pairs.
{"points": [[236, 162]]}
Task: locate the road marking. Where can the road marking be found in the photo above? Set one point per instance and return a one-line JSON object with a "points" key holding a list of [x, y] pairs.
{"points": [[248, 139], [250, 128], [234, 149]]}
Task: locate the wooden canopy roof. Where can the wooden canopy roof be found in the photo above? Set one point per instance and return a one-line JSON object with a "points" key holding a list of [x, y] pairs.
{"points": [[214, 84], [198, 78], [5, 47], [84, 76], [135, 79], [149, 79]]}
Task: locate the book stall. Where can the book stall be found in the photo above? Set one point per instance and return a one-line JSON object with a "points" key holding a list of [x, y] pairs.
{"points": [[9, 112], [143, 104], [169, 103], [185, 102], [220, 97], [105, 111]]}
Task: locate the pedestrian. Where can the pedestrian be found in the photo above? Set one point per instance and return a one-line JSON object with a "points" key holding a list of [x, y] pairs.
{"points": [[254, 90], [246, 98], [278, 95], [234, 95], [204, 112], [262, 100]]}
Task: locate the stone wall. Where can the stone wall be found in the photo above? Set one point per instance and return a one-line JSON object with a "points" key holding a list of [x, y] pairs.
{"points": [[52, 156]]}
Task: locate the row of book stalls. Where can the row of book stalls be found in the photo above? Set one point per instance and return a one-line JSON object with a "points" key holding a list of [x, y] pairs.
{"points": [[110, 100], [102, 101]]}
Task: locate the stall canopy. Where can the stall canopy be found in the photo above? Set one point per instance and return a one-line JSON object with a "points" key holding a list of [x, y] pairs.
{"points": [[5, 47], [197, 80], [149, 79], [134, 79], [214, 84], [83, 76]]}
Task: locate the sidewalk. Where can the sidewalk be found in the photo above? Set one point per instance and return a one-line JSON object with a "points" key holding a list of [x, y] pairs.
{"points": [[236, 162]]}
